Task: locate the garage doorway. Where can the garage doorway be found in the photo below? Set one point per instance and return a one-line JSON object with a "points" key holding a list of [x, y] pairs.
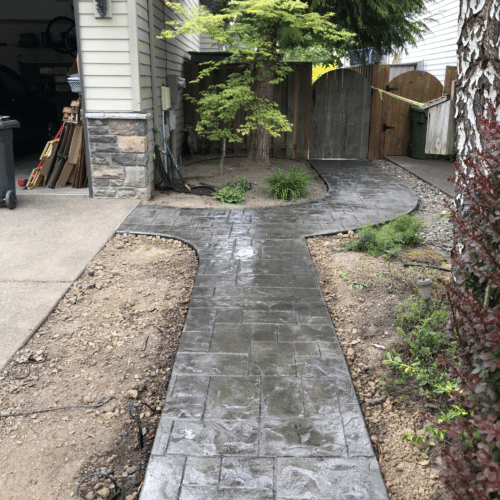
{"points": [[38, 48]]}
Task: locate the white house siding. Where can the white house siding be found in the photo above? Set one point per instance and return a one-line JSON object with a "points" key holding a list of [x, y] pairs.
{"points": [[208, 45], [438, 48], [105, 63]]}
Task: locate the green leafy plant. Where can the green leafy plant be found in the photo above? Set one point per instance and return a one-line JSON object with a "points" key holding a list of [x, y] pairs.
{"points": [[389, 238], [242, 183], [230, 195], [289, 185], [426, 340]]}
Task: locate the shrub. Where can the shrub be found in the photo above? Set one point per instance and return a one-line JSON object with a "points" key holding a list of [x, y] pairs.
{"points": [[473, 460], [243, 184], [389, 238], [425, 337], [230, 195], [289, 185]]}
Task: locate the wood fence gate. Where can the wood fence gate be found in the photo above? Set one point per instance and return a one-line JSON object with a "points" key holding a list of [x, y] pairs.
{"points": [[293, 96], [340, 120], [390, 117]]}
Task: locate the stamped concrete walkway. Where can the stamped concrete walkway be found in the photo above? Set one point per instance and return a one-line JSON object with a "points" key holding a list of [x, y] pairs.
{"points": [[261, 404]]}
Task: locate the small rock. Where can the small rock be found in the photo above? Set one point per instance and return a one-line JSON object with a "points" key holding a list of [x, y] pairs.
{"points": [[90, 495], [376, 401], [132, 393], [132, 469], [91, 273], [109, 415], [103, 492], [363, 367], [350, 352]]}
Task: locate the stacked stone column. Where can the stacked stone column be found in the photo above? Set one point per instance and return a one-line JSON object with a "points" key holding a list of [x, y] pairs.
{"points": [[120, 161]]}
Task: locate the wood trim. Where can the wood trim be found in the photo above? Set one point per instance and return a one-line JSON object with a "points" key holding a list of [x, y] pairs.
{"points": [[380, 78], [134, 55], [450, 75]]}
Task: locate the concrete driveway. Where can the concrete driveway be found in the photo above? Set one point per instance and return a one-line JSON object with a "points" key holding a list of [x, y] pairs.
{"points": [[45, 244]]}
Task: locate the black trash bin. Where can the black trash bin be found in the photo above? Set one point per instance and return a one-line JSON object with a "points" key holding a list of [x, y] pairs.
{"points": [[7, 176]]}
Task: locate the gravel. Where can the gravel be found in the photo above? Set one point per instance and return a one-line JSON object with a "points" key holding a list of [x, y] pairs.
{"points": [[438, 231]]}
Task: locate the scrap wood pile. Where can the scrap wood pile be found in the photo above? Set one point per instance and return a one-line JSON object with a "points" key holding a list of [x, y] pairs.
{"points": [[63, 159]]}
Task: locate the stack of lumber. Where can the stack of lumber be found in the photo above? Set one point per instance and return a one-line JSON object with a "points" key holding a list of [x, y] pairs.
{"points": [[62, 160]]}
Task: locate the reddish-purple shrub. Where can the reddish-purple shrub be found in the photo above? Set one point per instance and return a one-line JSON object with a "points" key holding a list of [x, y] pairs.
{"points": [[472, 458]]}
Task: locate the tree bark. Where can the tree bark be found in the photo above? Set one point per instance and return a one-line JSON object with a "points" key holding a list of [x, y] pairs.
{"points": [[260, 139], [478, 70], [223, 155]]}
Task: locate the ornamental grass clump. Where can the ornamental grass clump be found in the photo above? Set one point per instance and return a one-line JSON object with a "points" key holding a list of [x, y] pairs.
{"points": [[289, 185]]}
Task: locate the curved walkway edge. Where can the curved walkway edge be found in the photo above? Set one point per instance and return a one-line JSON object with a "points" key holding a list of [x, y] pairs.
{"points": [[260, 403]]}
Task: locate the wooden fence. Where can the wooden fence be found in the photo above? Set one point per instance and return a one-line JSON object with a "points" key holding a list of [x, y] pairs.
{"points": [[293, 95]]}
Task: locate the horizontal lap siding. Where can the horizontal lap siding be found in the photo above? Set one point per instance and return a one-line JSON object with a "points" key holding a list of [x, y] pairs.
{"points": [[438, 48], [177, 53], [105, 53]]}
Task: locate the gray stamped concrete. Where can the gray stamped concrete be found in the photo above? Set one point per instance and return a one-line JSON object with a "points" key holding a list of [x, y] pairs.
{"points": [[261, 404]]}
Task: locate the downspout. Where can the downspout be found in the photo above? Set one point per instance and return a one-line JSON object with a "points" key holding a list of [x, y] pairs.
{"points": [[82, 82]]}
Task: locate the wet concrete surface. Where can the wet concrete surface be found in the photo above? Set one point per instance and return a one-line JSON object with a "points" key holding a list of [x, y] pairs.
{"points": [[261, 404]]}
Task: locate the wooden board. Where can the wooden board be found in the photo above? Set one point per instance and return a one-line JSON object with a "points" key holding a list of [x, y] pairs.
{"points": [[440, 138], [340, 115], [380, 78], [415, 85], [450, 76]]}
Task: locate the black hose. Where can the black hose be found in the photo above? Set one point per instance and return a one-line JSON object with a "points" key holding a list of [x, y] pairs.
{"points": [[409, 264]]}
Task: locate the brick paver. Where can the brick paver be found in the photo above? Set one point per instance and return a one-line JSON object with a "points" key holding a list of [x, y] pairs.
{"points": [[261, 404]]}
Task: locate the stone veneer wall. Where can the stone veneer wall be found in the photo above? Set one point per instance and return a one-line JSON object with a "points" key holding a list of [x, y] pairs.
{"points": [[120, 161]]}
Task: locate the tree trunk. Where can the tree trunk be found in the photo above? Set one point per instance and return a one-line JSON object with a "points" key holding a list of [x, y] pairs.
{"points": [[478, 70], [223, 155], [260, 139]]}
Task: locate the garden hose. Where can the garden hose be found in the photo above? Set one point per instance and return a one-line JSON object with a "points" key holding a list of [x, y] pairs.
{"points": [[167, 148]]}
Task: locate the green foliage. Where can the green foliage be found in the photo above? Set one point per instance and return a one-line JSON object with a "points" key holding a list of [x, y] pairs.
{"points": [[234, 191], [255, 34], [425, 341], [432, 432], [389, 238], [289, 185], [242, 183], [388, 26], [230, 195]]}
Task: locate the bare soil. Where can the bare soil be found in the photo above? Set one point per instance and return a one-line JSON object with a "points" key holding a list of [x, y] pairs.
{"points": [[362, 293], [207, 171], [116, 333]]}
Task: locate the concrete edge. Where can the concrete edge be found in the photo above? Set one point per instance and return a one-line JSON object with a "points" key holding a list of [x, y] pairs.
{"points": [[386, 158], [56, 302]]}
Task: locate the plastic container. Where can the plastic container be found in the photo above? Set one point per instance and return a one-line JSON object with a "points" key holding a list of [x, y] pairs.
{"points": [[7, 176], [74, 83], [416, 149]]}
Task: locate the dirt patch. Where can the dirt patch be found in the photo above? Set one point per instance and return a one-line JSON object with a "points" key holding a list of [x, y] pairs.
{"points": [[115, 335], [207, 171], [362, 293]]}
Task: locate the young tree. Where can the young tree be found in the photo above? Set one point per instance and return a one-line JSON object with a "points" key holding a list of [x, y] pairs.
{"points": [[255, 32]]}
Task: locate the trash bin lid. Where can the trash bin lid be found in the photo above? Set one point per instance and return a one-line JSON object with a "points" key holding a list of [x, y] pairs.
{"points": [[6, 123]]}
